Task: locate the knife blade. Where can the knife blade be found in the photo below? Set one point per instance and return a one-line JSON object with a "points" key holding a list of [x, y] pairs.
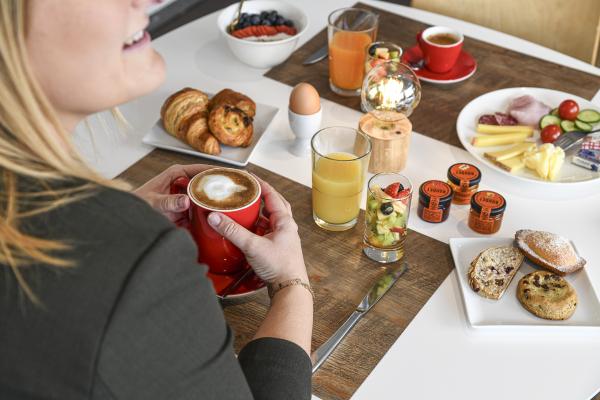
{"points": [[324, 51], [377, 291]]}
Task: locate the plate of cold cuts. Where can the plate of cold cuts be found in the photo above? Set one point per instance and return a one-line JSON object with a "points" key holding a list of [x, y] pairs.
{"points": [[513, 131]]}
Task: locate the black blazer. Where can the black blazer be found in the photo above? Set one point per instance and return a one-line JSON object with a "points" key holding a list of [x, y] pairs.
{"points": [[135, 318]]}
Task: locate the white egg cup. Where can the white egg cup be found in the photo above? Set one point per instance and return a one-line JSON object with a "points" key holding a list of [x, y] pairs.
{"points": [[304, 127]]}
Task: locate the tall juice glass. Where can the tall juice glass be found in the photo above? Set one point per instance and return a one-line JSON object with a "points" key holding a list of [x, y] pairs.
{"points": [[340, 159], [386, 216], [350, 31]]}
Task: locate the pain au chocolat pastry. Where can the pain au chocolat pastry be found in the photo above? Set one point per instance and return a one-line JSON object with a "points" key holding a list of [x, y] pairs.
{"points": [[549, 250], [184, 115], [227, 119], [236, 99]]}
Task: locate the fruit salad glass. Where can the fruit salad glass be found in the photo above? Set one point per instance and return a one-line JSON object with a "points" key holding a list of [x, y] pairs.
{"points": [[386, 217], [380, 52]]}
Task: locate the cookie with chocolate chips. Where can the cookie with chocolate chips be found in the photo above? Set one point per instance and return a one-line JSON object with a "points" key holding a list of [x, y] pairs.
{"points": [[547, 295]]}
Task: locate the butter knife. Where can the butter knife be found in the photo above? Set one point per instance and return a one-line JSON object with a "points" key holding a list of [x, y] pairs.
{"points": [[377, 291], [324, 51]]}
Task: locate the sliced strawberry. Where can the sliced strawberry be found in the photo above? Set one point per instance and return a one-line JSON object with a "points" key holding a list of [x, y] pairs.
{"points": [[403, 193], [400, 230], [393, 189]]}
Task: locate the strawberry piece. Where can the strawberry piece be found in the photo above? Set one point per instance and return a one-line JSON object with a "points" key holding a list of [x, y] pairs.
{"points": [[403, 193], [393, 189], [400, 230]]}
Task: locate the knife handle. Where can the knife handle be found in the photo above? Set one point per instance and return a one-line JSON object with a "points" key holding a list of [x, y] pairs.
{"points": [[321, 354]]}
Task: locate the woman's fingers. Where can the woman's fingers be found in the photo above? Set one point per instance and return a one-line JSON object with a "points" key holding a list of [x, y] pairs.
{"points": [[188, 170], [234, 232], [170, 203], [273, 200]]}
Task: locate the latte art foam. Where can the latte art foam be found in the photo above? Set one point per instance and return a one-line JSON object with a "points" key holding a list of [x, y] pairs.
{"points": [[224, 189], [219, 187]]}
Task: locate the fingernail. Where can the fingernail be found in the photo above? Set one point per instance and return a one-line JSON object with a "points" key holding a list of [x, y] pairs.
{"points": [[182, 202], [214, 219]]}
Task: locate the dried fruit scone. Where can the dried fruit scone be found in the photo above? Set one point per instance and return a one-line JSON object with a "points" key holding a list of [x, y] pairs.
{"points": [[492, 271], [547, 295]]}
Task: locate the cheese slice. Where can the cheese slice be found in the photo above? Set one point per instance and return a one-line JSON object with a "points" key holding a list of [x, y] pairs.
{"points": [[497, 129], [511, 152], [496, 140], [511, 165]]}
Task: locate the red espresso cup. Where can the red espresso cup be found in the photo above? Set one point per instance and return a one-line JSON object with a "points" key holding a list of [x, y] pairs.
{"points": [[221, 256], [441, 47]]}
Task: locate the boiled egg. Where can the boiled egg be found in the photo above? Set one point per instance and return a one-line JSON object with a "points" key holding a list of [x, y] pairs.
{"points": [[304, 99]]}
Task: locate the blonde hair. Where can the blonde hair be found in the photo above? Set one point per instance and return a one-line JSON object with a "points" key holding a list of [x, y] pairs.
{"points": [[34, 146]]}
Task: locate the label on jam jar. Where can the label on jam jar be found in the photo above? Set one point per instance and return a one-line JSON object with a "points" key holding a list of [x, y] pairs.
{"points": [[436, 190], [488, 202], [465, 173]]}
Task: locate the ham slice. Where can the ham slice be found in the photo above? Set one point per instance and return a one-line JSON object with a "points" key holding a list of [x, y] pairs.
{"points": [[497, 119], [527, 110]]}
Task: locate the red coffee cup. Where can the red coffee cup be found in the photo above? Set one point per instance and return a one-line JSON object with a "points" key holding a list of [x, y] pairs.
{"points": [[221, 256], [440, 55]]}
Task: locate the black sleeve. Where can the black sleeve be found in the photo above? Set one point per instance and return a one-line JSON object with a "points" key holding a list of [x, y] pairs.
{"points": [[167, 339]]}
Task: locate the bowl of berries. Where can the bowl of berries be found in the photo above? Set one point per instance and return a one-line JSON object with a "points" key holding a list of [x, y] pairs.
{"points": [[267, 31]]}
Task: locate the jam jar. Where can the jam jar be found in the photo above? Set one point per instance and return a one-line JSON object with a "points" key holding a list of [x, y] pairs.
{"points": [[435, 198], [464, 179], [487, 211]]}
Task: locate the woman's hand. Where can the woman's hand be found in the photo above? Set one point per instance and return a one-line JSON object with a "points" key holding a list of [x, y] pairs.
{"points": [[156, 190], [277, 256]]}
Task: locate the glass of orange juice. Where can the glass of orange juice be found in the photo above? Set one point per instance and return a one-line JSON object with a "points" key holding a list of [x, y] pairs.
{"points": [[350, 31], [340, 159]]}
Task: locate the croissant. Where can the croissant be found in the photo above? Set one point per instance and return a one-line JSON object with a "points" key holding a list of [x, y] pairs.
{"points": [[184, 115], [236, 99], [181, 105], [198, 136]]}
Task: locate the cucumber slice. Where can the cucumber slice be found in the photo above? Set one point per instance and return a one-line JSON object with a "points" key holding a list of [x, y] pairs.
{"points": [[583, 126], [589, 116], [567, 126], [554, 112], [549, 120]]}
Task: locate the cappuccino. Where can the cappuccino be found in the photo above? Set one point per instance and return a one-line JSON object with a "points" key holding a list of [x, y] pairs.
{"points": [[224, 189]]}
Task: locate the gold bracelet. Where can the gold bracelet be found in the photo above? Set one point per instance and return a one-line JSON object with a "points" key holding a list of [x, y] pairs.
{"points": [[274, 288]]}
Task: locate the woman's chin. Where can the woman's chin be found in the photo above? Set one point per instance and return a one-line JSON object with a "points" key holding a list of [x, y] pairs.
{"points": [[147, 75]]}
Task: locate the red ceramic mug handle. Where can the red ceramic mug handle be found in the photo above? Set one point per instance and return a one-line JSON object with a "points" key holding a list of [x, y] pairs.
{"points": [[419, 36], [179, 186]]}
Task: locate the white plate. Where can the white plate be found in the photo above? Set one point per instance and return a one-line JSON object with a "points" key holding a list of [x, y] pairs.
{"points": [[507, 312], [238, 156], [497, 101]]}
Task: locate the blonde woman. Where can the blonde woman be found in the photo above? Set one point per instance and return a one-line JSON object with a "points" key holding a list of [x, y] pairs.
{"points": [[100, 294]]}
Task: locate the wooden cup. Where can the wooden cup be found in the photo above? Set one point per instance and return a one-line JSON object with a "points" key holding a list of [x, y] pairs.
{"points": [[390, 141]]}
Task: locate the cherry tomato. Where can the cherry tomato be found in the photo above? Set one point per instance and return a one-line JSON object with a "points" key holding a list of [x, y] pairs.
{"points": [[568, 109], [550, 133]]}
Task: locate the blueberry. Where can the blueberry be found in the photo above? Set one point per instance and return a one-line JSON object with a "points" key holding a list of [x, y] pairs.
{"points": [[280, 20], [372, 51], [289, 23], [386, 208], [238, 26], [264, 14], [244, 15], [255, 20], [266, 22], [244, 24], [273, 14]]}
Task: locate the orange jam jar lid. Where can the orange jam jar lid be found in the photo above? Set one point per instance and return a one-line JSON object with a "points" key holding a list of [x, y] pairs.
{"points": [[488, 203], [464, 175], [438, 191]]}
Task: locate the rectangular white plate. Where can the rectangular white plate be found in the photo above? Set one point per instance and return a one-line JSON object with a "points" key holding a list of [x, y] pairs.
{"points": [[239, 156], [507, 312]]}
